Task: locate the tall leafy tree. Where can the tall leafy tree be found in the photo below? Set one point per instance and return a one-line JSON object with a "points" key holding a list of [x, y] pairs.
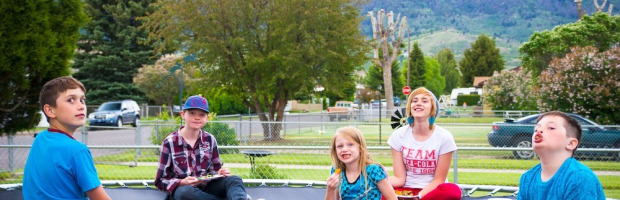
{"points": [[112, 49], [418, 67], [435, 82], [448, 69], [481, 59], [599, 30], [265, 51], [37, 40]]}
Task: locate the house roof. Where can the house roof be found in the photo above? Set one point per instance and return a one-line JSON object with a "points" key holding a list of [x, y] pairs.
{"points": [[479, 80]]}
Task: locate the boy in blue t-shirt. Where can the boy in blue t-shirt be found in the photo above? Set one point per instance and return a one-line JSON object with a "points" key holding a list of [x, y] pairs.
{"points": [[58, 166], [558, 176]]}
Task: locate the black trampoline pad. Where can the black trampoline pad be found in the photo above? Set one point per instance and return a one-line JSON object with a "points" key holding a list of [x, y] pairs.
{"points": [[135, 193], [259, 192], [285, 192]]}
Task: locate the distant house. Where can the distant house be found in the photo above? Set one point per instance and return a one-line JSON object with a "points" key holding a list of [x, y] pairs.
{"points": [[461, 91], [479, 81]]}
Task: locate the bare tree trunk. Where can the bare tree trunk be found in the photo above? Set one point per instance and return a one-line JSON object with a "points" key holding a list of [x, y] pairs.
{"points": [[394, 31]]}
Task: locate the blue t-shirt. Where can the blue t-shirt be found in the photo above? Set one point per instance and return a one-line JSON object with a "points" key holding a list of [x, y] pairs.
{"points": [[58, 167], [356, 189], [572, 181]]}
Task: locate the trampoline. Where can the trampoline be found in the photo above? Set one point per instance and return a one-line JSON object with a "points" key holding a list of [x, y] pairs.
{"points": [[257, 188]]}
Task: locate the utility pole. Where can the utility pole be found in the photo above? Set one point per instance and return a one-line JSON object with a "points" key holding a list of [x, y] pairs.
{"points": [[409, 53]]}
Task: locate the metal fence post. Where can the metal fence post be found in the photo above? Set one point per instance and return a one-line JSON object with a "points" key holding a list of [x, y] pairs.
{"points": [[157, 130], [454, 157], [284, 122], [240, 136], [138, 141], [11, 156], [85, 135]]}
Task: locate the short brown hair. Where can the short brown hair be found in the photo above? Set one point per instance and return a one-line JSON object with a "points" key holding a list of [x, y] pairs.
{"points": [[51, 90], [572, 126]]}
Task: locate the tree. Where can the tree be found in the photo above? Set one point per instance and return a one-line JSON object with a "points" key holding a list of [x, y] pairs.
{"points": [[434, 81], [265, 52], [418, 67], [482, 59], [584, 82], [159, 90], [448, 69], [112, 49], [374, 78], [511, 90], [37, 41], [382, 30], [599, 30]]}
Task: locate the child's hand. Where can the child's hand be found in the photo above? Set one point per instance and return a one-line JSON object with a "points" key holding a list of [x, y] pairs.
{"points": [[333, 181], [224, 172], [190, 180]]}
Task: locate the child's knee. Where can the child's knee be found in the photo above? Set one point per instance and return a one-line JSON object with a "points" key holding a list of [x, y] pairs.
{"points": [[234, 179]]}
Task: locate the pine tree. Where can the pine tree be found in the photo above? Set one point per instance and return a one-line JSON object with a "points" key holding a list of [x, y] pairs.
{"points": [[112, 49], [37, 41], [448, 69], [374, 77], [482, 59], [418, 67]]}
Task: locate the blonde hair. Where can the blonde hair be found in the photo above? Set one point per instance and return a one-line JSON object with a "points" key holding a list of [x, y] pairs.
{"points": [[424, 91], [364, 159]]}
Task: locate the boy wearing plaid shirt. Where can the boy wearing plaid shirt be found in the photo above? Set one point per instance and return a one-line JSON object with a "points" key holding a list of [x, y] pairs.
{"points": [[190, 153]]}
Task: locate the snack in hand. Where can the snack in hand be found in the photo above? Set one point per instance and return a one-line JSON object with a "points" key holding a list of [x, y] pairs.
{"points": [[337, 171]]}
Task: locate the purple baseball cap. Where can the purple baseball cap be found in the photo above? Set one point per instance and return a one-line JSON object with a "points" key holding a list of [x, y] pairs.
{"points": [[196, 102]]}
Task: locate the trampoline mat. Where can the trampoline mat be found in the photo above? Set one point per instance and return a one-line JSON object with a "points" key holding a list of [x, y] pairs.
{"points": [[260, 192]]}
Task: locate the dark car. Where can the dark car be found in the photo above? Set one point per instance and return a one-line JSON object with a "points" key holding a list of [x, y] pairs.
{"points": [[397, 101], [518, 133], [116, 113]]}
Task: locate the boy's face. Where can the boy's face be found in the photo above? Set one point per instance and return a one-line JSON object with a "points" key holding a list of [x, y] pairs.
{"points": [[70, 110], [550, 135], [195, 118]]}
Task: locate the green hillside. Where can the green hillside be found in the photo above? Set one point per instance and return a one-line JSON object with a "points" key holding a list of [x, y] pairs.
{"points": [[436, 24], [431, 43]]}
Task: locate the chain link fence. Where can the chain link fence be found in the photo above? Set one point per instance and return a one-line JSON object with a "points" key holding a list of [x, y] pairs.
{"points": [[298, 149]]}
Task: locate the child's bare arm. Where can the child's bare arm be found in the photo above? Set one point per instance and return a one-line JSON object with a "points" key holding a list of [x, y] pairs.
{"points": [[386, 189], [441, 172], [332, 187], [400, 174], [97, 194]]}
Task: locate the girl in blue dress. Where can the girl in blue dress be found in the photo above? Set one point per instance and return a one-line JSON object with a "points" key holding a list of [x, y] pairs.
{"points": [[355, 175]]}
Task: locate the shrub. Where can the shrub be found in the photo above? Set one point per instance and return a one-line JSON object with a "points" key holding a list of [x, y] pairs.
{"points": [[224, 135], [470, 99], [266, 172], [510, 90], [583, 82]]}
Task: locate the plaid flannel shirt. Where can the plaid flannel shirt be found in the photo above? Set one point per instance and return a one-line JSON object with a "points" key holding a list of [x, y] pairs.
{"points": [[178, 159]]}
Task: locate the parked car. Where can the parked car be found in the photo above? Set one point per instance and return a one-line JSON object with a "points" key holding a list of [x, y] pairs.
{"points": [[397, 101], [518, 133], [116, 113], [375, 103], [342, 110]]}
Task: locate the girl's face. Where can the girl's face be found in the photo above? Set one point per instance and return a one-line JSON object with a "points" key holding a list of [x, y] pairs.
{"points": [[421, 106], [550, 134], [347, 149]]}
